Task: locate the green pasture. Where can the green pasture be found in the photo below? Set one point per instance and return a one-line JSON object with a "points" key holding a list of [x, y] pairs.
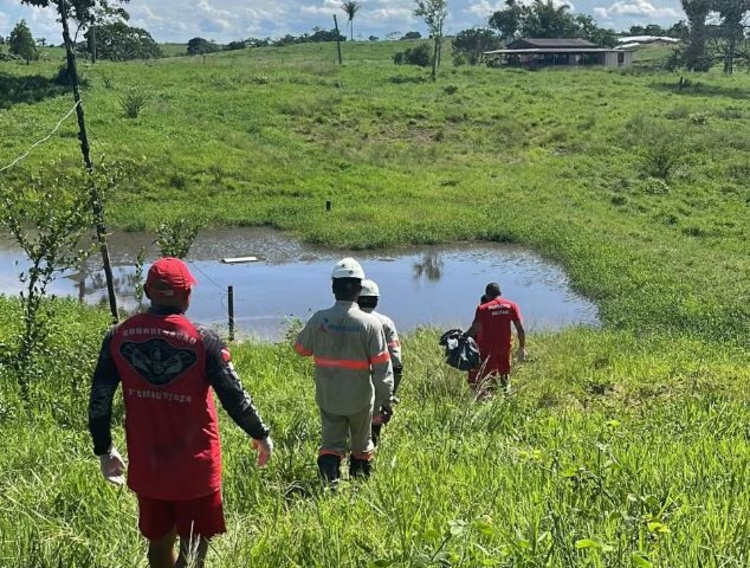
{"points": [[625, 446]]}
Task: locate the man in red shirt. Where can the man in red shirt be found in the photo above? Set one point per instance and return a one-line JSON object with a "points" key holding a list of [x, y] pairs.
{"points": [[167, 366], [491, 329]]}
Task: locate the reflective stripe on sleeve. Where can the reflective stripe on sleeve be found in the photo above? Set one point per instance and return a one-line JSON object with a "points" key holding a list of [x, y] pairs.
{"points": [[302, 351], [353, 364], [384, 357]]}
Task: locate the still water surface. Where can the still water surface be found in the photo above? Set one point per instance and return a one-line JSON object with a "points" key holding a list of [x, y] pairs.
{"points": [[427, 285]]}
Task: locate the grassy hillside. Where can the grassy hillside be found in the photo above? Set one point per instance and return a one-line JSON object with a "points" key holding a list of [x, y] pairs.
{"points": [[621, 447], [635, 186]]}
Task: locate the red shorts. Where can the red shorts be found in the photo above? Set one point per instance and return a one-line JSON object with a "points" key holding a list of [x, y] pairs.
{"points": [[197, 517], [497, 365]]}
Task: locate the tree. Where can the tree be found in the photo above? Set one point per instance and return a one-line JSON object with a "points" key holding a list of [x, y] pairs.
{"points": [[433, 12], [508, 21], [200, 46], [588, 29], [22, 43], [471, 44], [41, 42], [351, 8], [695, 55], [731, 30], [542, 19], [119, 42], [545, 20], [412, 35], [86, 12]]}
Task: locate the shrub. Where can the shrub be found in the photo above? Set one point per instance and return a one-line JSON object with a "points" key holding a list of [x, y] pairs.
{"points": [[450, 89], [420, 55], [132, 103]]}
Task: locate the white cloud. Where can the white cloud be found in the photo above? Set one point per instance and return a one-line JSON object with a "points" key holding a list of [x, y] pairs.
{"points": [[635, 9], [226, 20], [328, 7], [382, 15]]}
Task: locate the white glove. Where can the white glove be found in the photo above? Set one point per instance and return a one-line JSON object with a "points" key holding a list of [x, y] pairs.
{"points": [[265, 449], [113, 466]]}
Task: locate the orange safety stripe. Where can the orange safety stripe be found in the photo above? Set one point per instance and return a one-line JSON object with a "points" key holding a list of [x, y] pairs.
{"points": [[384, 357], [353, 364], [367, 456], [324, 452], [302, 351]]}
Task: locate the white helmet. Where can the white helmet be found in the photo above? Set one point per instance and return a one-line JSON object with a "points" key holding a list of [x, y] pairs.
{"points": [[369, 289], [348, 268]]}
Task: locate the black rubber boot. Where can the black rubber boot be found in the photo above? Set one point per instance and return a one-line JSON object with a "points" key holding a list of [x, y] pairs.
{"points": [[376, 433], [359, 468], [329, 468]]}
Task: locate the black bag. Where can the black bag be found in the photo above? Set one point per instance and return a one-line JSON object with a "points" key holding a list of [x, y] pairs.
{"points": [[461, 351]]}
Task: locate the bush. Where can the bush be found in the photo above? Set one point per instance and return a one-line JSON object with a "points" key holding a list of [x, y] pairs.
{"points": [[63, 79], [420, 55], [132, 103]]}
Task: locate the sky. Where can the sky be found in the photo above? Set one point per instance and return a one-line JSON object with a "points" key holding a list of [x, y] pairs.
{"points": [[227, 20]]}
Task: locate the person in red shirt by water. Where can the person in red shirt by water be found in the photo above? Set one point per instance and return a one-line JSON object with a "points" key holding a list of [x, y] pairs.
{"points": [[491, 329], [167, 366]]}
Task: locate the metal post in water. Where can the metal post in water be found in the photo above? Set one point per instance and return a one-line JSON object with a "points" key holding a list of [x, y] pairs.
{"points": [[230, 308]]}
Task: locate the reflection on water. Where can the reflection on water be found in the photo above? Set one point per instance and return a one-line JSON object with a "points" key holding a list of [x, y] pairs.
{"points": [[426, 285], [429, 266]]}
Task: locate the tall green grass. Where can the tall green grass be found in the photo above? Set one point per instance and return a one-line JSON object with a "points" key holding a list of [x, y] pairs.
{"points": [[612, 446]]}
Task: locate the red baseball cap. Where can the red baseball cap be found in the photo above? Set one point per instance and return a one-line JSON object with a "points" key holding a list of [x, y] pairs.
{"points": [[169, 276]]}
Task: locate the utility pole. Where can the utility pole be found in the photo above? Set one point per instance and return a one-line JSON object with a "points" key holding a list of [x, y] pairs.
{"points": [[338, 36], [96, 201]]}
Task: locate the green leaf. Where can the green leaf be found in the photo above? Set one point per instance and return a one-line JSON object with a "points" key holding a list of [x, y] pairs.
{"points": [[587, 543], [457, 527], [431, 534], [641, 560], [382, 563], [485, 528]]}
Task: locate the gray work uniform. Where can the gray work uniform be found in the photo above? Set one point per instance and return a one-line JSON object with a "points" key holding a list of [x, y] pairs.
{"points": [[353, 372], [391, 337]]}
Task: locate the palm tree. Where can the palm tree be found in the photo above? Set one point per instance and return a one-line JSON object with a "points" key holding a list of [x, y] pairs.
{"points": [[350, 8]]}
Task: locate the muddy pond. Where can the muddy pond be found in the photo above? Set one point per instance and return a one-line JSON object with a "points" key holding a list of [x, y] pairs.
{"points": [[436, 286]]}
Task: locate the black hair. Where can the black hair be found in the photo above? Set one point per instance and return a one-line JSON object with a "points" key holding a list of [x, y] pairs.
{"points": [[492, 291], [484, 299], [346, 289], [369, 302]]}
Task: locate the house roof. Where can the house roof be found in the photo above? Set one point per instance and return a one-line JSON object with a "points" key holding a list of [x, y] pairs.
{"points": [[558, 51], [551, 43]]}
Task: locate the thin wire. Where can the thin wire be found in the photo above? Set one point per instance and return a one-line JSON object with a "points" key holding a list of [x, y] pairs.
{"points": [[42, 141], [209, 278], [224, 294]]}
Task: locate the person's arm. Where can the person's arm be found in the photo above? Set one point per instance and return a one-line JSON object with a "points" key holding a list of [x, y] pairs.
{"points": [[476, 325], [380, 364], [304, 343], [394, 349], [521, 333], [103, 387], [226, 383]]}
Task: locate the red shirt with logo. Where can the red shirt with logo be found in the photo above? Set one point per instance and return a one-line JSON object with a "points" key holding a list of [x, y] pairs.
{"points": [[495, 339], [170, 419]]}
